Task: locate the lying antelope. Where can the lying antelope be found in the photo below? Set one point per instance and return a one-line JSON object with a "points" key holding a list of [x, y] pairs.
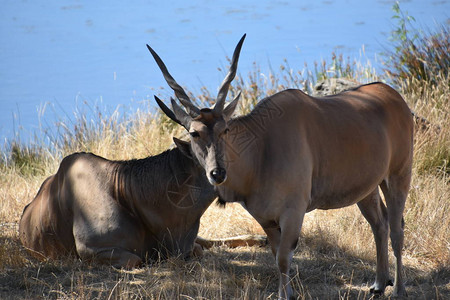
{"points": [[295, 153], [118, 212]]}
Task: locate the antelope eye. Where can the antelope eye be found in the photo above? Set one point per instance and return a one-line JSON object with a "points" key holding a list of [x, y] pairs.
{"points": [[194, 134], [224, 132]]}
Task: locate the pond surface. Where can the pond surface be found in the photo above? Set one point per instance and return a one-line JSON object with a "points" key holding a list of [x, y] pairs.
{"points": [[57, 55]]}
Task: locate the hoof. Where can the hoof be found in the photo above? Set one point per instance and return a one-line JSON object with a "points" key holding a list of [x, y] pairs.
{"points": [[378, 289], [375, 291]]}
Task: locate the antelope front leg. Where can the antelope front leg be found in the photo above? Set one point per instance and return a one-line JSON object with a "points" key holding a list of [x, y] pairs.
{"points": [[273, 236], [290, 225]]}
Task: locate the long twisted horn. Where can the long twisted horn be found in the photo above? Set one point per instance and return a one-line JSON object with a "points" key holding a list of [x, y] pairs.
{"points": [[223, 91], [179, 91]]}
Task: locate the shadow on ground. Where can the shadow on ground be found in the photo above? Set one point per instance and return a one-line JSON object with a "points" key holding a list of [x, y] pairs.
{"points": [[321, 271]]}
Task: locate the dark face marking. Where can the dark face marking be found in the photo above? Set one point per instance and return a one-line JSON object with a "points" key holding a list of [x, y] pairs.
{"points": [[207, 133]]}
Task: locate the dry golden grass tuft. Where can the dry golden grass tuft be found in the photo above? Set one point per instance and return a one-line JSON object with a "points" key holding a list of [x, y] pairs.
{"points": [[335, 258], [233, 220]]}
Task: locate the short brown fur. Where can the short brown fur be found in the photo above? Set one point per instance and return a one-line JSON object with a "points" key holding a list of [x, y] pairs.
{"points": [[295, 153]]}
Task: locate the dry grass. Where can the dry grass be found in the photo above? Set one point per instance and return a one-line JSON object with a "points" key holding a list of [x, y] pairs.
{"points": [[334, 260]]}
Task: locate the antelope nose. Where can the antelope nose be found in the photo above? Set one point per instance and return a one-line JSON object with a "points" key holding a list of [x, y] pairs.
{"points": [[218, 175]]}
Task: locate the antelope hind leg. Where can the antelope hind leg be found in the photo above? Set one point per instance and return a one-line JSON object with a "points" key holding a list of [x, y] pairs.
{"points": [[373, 209]]}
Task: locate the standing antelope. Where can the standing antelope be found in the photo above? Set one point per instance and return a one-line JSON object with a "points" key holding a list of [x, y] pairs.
{"points": [[295, 153]]}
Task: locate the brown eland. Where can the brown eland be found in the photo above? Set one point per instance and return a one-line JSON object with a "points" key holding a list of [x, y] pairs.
{"points": [[294, 153], [118, 212]]}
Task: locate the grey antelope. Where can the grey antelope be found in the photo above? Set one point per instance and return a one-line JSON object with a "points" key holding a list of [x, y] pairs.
{"points": [[295, 153], [118, 212]]}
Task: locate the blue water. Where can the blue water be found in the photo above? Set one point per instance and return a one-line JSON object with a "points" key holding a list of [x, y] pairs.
{"points": [[56, 55]]}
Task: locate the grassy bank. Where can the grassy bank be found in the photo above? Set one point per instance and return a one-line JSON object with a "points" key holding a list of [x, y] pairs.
{"points": [[336, 256]]}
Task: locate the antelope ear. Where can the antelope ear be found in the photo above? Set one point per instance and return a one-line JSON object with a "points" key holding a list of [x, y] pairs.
{"points": [[185, 147], [181, 115], [176, 114], [167, 110], [229, 110]]}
